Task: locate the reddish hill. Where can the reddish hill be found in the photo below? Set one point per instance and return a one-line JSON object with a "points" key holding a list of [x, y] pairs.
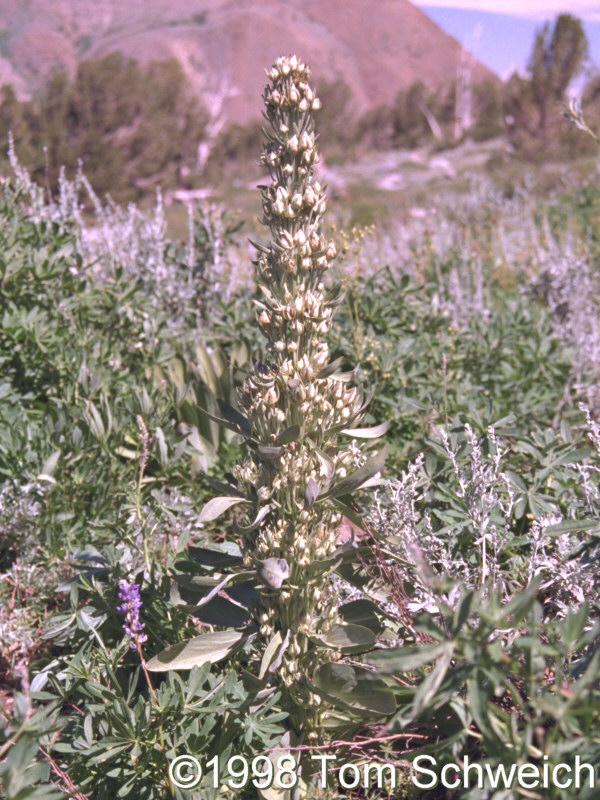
{"points": [[223, 46]]}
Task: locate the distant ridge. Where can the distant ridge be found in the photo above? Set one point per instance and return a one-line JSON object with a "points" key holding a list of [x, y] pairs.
{"points": [[377, 47]]}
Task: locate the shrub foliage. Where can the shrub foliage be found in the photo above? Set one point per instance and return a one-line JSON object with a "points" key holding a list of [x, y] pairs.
{"points": [[205, 553]]}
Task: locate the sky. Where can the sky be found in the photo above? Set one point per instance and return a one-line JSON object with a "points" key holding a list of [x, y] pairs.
{"points": [[503, 41]]}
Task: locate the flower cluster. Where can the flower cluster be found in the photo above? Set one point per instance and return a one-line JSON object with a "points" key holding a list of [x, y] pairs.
{"points": [[295, 402], [131, 603]]}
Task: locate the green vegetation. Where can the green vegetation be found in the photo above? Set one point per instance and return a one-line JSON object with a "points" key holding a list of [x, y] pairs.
{"points": [[557, 58], [439, 602], [133, 128]]}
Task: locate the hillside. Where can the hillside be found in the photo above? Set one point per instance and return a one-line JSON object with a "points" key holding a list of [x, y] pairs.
{"points": [[224, 45]]}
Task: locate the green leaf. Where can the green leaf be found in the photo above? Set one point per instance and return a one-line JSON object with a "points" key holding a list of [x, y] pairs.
{"points": [[208, 648], [233, 578], [217, 506], [570, 526], [87, 729], [510, 614], [539, 504], [516, 480], [412, 402], [326, 465], [95, 421], [273, 654], [368, 433], [162, 447], [358, 478], [218, 556], [220, 611], [572, 626], [347, 638], [222, 487], [348, 511], [357, 687], [312, 492], [262, 513], [233, 416], [478, 705], [405, 659], [269, 453], [50, 464], [362, 612], [126, 452], [571, 456], [462, 612], [228, 423], [330, 368], [289, 435], [428, 688]]}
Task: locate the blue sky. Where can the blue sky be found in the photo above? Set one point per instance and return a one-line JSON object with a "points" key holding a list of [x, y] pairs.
{"points": [[503, 41]]}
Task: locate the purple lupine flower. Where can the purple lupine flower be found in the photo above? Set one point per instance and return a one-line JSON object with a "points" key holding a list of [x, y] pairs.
{"points": [[129, 595]]}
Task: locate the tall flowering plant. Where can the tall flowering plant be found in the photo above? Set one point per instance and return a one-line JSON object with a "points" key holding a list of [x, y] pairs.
{"points": [[296, 404], [298, 420]]}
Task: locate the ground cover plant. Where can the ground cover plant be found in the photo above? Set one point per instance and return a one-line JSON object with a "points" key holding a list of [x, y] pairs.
{"points": [[349, 510]]}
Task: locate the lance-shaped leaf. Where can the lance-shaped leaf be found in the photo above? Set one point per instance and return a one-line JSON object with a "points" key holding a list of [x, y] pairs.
{"points": [[234, 417], [208, 648], [397, 660], [233, 578], [217, 506], [347, 638], [218, 556], [260, 247], [358, 478], [346, 553], [428, 688], [312, 492], [49, 467], [326, 466], [199, 585], [368, 433], [273, 655], [344, 377], [262, 513], [330, 368], [234, 421], [360, 404], [571, 525], [289, 435], [316, 568], [478, 705], [219, 486], [348, 511]]}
